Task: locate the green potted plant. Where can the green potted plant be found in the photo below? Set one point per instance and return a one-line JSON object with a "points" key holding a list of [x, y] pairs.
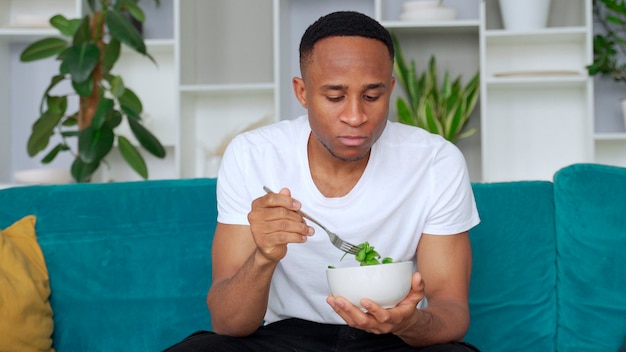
{"points": [[87, 51], [609, 46], [442, 109]]}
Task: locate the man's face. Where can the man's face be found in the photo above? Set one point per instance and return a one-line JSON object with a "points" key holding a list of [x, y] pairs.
{"points": [[346, 86]]}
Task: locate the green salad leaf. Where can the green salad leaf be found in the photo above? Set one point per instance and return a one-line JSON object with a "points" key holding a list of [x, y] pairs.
{"points": [[367, 256]]}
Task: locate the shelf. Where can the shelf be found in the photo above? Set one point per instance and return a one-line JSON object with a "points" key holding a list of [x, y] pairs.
{"points": [[457, 26], [217, 89], [159, 44], [27, 34], [516, 54], [543, 81], [548, 35], [620, 137], [610, 149]]}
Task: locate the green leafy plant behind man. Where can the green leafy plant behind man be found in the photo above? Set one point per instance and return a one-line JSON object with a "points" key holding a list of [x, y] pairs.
{"points": [[442, 109], [609, 45], [88, 50]]}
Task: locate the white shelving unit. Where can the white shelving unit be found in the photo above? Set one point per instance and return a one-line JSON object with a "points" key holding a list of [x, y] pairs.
{"points": [[536, 97], [223, 65]]}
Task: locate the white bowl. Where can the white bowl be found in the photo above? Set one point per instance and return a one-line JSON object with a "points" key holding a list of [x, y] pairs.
{"points": [[43, 176], [434, 14], [417, 5], [385, 284]]}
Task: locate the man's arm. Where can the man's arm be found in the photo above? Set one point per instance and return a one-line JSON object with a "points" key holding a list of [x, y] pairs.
{"points": [[238, 296], [444, 264], [244, 259]]}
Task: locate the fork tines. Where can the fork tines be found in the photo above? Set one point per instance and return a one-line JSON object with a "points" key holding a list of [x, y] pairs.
{"points": [[348, 247]]}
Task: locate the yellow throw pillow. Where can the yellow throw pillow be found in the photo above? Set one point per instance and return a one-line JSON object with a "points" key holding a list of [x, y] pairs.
{"points": [[26, 315]]}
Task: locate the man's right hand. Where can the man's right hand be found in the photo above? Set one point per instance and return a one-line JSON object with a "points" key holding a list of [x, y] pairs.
{"points": [[275, 222]]}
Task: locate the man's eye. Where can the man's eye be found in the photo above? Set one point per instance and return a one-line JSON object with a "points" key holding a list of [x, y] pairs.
{"points": [[334, 99], [370, 97]]}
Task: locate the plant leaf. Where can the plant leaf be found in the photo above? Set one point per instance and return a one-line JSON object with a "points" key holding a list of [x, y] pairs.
{"points": [[54, 152], [433, 124], [81, 60], [83, 32], [415, 87], [65, 26], [467, 133], [455, 120], [129, 100], [136, 12], [117, 86], [122, 30], [57, 105], [132, 157], [84, 89], [111, 55], [43, 48], [94, 144], [70, 121], [82, 171], [146, 139], [433, 79], [400, 66], [404, 113], [104, 108], [53, 82], [472, 91], [42, 130], [114, 120]]}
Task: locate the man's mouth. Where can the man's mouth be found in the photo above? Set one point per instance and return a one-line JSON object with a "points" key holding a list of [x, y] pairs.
{"points": [[352, 141]]}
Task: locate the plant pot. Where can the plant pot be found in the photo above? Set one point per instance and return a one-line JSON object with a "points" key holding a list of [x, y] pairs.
{"points": [[524, 15], [43, 176]]}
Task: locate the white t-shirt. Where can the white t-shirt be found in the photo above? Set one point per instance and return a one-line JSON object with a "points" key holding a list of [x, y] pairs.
{"points": [[415, 182]]}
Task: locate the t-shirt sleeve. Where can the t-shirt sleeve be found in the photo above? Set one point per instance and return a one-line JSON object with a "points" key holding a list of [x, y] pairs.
{"points": [[453, 206], [233, 199]]}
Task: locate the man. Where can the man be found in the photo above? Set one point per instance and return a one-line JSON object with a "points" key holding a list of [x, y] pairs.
{"points": [[403, 190]]}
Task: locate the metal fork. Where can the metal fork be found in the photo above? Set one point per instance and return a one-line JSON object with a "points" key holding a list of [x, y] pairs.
{"points": [[334, 239]]}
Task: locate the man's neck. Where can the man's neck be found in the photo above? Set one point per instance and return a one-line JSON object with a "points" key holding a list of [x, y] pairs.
{"points": [[332, 176]]}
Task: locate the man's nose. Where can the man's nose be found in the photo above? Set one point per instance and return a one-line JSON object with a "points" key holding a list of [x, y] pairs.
{"points": [[354, 113]]}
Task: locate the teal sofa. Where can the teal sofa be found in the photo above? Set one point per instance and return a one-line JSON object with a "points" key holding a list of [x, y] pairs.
{"points": [[130, 263]]}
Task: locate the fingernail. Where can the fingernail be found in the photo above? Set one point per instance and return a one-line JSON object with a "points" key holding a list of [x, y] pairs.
{"points": [[311, 230]]}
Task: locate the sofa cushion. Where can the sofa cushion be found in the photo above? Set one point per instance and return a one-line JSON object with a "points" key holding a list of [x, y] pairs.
{"points": [[129, 263], [26, 322], [591, 244], [512, 292]]}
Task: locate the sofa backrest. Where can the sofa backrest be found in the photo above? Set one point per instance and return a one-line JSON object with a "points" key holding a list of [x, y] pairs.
{"points": [[129, 263], [590, 202], [512, 292]]}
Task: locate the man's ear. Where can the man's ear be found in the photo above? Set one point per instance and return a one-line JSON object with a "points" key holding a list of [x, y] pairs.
{"points": [[299, 90]]}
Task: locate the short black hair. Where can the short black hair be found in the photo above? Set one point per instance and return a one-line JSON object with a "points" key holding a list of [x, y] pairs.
{"points": [[343, 23]]}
